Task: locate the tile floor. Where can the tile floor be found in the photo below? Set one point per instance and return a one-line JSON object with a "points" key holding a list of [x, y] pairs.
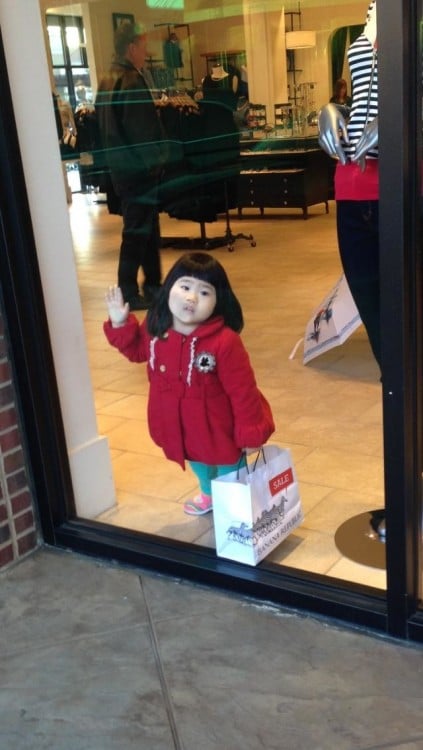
{"points": [[328, 412], [96, 656]]}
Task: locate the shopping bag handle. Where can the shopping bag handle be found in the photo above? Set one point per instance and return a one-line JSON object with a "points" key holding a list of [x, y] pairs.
{"points": [[251, 469]]}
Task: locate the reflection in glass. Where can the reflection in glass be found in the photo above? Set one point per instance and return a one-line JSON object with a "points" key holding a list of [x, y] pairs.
{"points": [[327, 412], [56, 47], [68, 56]]}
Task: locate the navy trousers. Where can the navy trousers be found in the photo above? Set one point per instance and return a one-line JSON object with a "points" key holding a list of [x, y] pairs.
{"points": [[358, 240]]}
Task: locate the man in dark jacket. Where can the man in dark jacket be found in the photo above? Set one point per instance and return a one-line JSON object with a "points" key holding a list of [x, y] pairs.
{"points": [[132, 135]]}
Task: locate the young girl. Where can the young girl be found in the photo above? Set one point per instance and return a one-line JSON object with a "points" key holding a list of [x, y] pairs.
{"points": [[204, 405]]}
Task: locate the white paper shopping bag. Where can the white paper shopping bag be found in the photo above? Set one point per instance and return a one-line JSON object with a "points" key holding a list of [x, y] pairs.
{"points": [[256, 508]]}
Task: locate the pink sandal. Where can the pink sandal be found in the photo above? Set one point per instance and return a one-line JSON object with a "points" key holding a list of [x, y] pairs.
{"points": [[200, 505]]}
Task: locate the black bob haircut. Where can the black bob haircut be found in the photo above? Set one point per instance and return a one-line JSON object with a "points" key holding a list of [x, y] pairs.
{"points": [[200, 266]]}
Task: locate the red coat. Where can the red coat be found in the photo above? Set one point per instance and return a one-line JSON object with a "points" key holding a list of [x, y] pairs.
{"points": [[204, 404]]}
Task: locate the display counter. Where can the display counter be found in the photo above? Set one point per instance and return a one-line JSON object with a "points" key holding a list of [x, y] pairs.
{"points": [[284, 173]]}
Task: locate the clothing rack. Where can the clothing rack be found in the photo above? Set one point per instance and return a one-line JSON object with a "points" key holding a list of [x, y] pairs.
{"points": [[209, 243], [208, 161]]}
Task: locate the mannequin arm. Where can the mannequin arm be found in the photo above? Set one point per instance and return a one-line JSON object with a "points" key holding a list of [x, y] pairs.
{"points": [[368, 140], [331, 126]]}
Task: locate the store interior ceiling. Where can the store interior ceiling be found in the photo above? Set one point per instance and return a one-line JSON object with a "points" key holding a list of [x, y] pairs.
{"points": [[194, 5]]}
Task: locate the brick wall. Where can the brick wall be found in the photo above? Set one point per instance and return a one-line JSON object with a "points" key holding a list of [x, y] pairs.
{"points": [[18, 527]]}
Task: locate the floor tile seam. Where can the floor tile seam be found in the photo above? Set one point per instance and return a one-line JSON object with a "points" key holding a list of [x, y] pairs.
{"points": [[166, 692], [42, 645]]}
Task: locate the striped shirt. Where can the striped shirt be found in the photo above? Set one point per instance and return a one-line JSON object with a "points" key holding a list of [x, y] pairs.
{"points": [[362, 58]]}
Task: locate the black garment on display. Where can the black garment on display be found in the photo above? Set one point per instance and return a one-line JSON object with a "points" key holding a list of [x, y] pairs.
{"points": [[203, 183], [220, 91], [208, 147], [96, 174]]}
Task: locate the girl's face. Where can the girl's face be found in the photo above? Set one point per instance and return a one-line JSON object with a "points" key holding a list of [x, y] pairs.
{"points": [[191, 302]]}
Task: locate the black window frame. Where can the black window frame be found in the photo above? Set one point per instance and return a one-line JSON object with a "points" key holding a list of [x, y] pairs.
{"points": [[400, 148]]}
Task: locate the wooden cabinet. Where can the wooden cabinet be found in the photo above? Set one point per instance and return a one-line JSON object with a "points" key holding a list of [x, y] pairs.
{"points": [[283, 179]]}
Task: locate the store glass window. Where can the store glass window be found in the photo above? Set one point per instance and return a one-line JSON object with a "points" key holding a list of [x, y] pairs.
{"points": [[274, 185]]}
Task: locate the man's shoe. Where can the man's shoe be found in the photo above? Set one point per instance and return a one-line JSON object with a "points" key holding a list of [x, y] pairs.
{"points": [[137, 302]]}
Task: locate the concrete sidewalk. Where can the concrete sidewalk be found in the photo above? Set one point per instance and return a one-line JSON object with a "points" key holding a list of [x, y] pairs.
{"points": [[97, 657]]}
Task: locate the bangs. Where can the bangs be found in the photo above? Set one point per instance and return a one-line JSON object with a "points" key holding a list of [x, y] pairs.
{"points": [[203, 267]]}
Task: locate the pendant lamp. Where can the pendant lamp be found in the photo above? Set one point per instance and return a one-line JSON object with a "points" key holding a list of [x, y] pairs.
{"points": [[300, 39], [297, 38]]}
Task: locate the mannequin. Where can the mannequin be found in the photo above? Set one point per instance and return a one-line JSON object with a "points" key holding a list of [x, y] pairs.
{"points": [[221, 86], [354, 144]]}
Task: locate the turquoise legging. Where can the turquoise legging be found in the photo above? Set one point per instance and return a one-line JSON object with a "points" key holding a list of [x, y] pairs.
{"points": [[205, 473]]}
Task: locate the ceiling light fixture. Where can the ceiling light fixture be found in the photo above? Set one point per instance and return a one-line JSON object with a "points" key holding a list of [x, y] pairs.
{"points": [[297, 38], [300, 39]]}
